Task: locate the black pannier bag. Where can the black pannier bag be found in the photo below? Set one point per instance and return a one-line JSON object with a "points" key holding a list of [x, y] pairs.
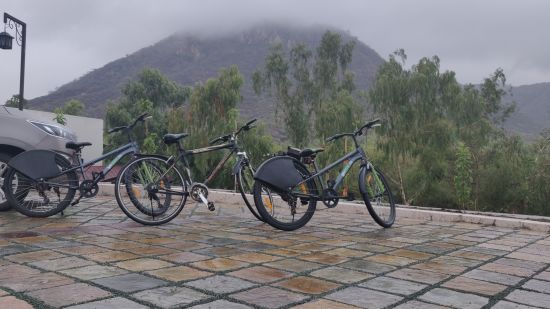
{"points": [[279, 173], [37, 164]]}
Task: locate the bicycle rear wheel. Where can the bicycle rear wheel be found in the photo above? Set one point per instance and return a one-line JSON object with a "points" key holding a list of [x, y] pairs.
{"points": [[377, 196], [245, 181], [41, 198], [150, 191], [285, 211]]}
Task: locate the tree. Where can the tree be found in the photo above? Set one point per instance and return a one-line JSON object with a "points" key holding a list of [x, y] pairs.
{"points": [[306, 88], [73, 107], [14, 102], [151, 92]]}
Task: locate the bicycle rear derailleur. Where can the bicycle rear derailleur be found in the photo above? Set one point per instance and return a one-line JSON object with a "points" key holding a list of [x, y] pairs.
{"points": [[199, 193]]}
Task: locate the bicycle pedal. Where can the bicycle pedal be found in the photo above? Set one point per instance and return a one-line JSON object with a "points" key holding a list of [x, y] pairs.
{"points": [[211, 206]]}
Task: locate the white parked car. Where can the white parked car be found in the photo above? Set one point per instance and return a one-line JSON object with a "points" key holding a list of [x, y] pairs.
{"points": [[18, 133]]}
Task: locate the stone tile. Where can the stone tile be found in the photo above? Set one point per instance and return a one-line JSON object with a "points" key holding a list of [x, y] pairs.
{"points": [[69, 294], [390, 259], [253, 257], [129, 282], [221, 304], [170, 296], [221, 284], [260, 274], [283, 252], [111, 256], [458, 261], [440, 268], [35, 282], [81, 250], [349, 253], [509, 305], [454, 299], [415, 304], [16, 271], [143, 264], [269, 297], [472, 255], [62, 263], [307, 285], [14, 249], [179, 273], [474, 286], [507, 269], [340, 274], [530, 298], [537, 285], [220, 251], [3, 293], [117, 302], [368, 266], [324, 303], [364, 298], [529, 257], [323, 258], [184, 257], [411, 254], [294, 265], [535, 266], [219, 264], [545, 275], [94, 272], [392, 285], [418, 275], [152, 250], [13, 303], [34, 256], [493, 277]]}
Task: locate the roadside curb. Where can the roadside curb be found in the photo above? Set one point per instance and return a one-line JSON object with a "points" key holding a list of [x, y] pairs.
{"points": [[234, 199]]}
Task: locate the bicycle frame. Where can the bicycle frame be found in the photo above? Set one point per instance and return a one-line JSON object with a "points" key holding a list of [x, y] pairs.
{"points": [[130, 148], [352, 157]]}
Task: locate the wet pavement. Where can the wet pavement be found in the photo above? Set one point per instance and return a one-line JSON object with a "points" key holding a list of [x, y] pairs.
{"points": [[94, 257]]}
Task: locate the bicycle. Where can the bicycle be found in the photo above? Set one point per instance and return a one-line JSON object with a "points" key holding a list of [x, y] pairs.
{"points": [[286, 181], [158, 191], [42, 183]]}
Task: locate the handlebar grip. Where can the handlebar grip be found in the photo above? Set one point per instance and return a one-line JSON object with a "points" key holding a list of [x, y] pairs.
{"points": [[331, 138], [116, 129], [250, 122]]}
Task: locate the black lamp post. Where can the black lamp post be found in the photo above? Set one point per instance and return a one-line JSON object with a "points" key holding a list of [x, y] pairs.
{"points": [[20, 38]]}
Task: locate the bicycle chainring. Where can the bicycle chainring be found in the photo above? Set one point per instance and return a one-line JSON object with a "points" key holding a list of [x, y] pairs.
{"points": [[330, 198], [88, 189], [196, 189]]}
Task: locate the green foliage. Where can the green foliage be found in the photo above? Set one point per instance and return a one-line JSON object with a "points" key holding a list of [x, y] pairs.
{"points": [[14, 102], [151, 92], [73, 107], [463, 175], [60, 116], [308, 90]]}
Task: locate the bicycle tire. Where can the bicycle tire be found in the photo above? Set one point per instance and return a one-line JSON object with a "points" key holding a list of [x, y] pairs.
{"points": [[312, 204], [366, 192], [149, 218], [243, 184], [20, 199]]}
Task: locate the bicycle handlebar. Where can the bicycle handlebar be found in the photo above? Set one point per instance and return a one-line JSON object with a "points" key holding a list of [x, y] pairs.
{"points": [[141, 117], [224, 138], [368, 125]]}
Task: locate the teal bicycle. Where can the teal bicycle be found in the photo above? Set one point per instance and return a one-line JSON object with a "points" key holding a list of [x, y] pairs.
{"points": [[286, 192]]}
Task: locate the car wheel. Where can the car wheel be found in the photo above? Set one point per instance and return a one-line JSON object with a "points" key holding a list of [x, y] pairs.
{"points": [[4, 158]]}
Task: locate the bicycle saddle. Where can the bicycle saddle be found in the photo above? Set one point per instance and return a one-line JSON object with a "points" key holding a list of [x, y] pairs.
{"points": [[77, 146], [173, 138], [309, 152]]}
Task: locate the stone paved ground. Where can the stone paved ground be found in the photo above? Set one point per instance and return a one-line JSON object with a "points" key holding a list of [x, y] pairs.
{"points": [[96, 258]]}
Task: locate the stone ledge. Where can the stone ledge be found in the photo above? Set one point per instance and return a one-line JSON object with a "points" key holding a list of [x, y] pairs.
{"points": [[511, 221]]}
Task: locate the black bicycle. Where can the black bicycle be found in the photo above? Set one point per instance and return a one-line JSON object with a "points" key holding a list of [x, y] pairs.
{"points": [[153, 191], [42, 183], [286, 192]]}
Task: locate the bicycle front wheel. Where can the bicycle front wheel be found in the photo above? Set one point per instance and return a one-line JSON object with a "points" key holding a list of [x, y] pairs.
{"points": [[150, 191], [245, 181], [41, 198], [377, 196]]}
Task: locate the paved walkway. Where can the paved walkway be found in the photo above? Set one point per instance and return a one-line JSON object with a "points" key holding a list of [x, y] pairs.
{"points": [[96, 258]]}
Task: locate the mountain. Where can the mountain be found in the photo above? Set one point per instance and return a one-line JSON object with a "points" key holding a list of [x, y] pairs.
{"points": [[532, 113], [189, 59]]}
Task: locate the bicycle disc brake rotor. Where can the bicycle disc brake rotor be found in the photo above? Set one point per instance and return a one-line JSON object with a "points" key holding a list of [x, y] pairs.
{"points": [[330, 198], [88, 189], [197, 189]]}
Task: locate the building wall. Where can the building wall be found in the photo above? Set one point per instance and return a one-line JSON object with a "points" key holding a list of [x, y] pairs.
{"points": [[86, 129]]}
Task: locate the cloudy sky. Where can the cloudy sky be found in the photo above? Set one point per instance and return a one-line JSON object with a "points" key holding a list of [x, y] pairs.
{"points": [[67, 38]]}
